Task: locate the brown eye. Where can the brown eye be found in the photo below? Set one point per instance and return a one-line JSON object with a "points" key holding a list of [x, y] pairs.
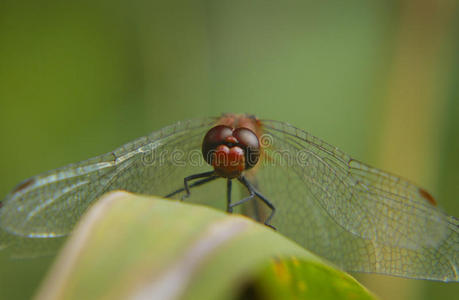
{"points": [[213, 139], [248, 141]]}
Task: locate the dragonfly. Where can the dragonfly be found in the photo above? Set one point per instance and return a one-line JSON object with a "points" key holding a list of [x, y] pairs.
{"points": [[359, 217]]}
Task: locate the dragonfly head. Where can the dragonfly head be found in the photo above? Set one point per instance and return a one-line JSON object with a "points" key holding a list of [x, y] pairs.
{"points": [[231, 150]]}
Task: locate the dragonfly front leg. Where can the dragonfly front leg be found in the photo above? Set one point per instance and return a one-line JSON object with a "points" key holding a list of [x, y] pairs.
{"points": [[210, 175], [253, 192], [231, 205]]}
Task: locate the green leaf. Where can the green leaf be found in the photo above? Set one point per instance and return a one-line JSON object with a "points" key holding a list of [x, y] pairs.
{"points": [[131, 246]]}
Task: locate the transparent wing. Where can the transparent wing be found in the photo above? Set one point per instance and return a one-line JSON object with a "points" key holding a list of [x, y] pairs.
{"points": [[49, 205], [359, 217]]}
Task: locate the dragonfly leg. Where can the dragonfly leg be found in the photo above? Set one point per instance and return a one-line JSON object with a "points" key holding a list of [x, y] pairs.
{"points": [[253, 192], [229, 184], [208, 176], [192, 177], [271, 206], [231, 205]]}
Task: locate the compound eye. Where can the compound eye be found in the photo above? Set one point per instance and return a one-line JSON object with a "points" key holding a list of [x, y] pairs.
{"points": [[248, 141], [214, 137]]}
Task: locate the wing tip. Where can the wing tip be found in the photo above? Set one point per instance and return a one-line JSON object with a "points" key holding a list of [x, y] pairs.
{"points": [[23, 185], [427, 196]]}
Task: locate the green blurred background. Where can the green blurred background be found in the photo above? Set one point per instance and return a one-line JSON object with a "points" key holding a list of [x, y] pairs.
{"points": [[378, 79]]}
